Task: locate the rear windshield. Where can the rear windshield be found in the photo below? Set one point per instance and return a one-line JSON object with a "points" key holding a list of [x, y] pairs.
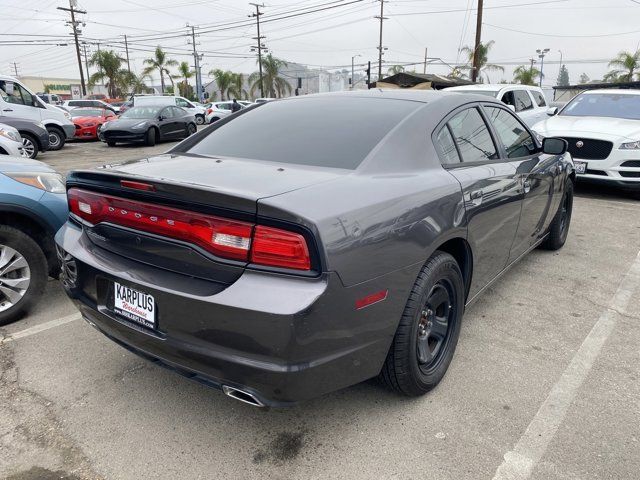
{"points": [[86, 112], [335, 132], [604, 105]]}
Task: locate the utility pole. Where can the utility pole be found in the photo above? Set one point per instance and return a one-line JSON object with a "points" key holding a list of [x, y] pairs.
{"points": [[382, 19], [476, 57], [424, 70], [532, 60], [126, 49], [259, 39], [196, 64], [15, 68], [74, 26], [86, 58], [352, 70]]}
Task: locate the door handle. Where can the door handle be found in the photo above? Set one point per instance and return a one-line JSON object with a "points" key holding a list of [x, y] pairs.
{"points": [[526, 186], [8, 110]]}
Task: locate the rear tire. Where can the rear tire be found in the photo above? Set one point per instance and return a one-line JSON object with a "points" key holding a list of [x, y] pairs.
{"points": [[559, 228], [191, 129], [150, 137], [57, 138], [214, 119], [427, 335], [20, 286], [200, 119], [30, 145]]}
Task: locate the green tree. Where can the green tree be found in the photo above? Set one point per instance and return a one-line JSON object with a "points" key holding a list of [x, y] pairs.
{"points": [[274, 85], [456, 72], [563, 77], [626, 65], [160, 63], [525, 75], [185, 73], [137, 83], [236, 88], [224, 81], [584, 78], [483, 59], [110, 68], [395, 69]]}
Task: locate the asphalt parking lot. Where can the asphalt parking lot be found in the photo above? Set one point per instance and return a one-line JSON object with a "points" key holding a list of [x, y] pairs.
{"points": [[545, 384]]}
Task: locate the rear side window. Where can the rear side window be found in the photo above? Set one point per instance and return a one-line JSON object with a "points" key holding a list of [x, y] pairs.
{"points": [[515, 138], [523, 100], [335, 132], [446, 147], [472, 136], [539, 98]]}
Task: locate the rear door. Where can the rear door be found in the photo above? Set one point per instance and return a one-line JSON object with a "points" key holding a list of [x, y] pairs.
{"points": [[535, 171], [490, 190], [539, 105]]}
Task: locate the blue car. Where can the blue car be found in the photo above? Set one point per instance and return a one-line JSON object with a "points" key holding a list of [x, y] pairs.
{"points": [[33, 206]]}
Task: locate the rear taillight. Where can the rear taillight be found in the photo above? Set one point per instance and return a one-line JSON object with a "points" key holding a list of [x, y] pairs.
{"points": [[209, 110], [225, 238], [280, 248]]}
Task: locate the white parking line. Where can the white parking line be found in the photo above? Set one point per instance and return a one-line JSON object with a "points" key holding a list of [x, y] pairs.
{"points": [[27, 332], [520, 462]]}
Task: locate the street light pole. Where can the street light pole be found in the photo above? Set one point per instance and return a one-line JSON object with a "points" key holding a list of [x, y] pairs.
{"points": [[541, 54], [560, 69], [352, 71]]}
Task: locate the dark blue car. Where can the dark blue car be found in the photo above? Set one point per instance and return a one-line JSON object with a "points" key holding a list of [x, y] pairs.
{"points": [[33, 206]]}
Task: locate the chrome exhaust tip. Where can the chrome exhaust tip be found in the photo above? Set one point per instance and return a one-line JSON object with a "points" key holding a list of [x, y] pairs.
{"points": [[242, 396]]}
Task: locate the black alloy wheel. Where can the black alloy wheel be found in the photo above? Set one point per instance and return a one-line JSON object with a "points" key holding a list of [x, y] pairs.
{"points": [[436, 318]]}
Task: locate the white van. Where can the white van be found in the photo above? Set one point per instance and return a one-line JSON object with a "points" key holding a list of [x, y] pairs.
{"points": [[17, 101], [196, 110], [527, 101]]}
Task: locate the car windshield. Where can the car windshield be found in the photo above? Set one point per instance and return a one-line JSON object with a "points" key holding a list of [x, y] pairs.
{"points": [[88, 112], [335, 132], [604, 105], [142, 112]]}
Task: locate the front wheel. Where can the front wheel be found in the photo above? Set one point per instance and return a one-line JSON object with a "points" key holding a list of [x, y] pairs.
{"points": [[56, 138], [150, 137], [559, 228], [30, 145], [191, 129], [428, 332], [23, 273]]}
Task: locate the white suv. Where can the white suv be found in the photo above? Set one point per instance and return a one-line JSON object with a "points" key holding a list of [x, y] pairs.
{"points": [[527, 101], [602, 128]]}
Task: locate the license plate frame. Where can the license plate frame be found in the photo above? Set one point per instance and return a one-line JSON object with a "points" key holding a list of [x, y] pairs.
{"points": [[134, 305], [581, 167]]}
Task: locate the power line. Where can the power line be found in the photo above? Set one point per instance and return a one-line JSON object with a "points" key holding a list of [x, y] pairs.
{"points": [[74, 26]]}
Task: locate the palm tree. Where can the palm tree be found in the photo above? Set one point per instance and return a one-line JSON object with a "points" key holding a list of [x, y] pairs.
{"points": [[237, 81], [136, 83], [273, 84], [626, 64], [456, 72], [395, 69], [186, 74], [525, 75], [483, 59], [109, 66], [224, 81], [160, 62]]}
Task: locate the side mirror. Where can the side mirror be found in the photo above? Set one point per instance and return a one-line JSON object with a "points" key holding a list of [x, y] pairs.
{"points": [[554, 146], [160, 118], [552, 111]]}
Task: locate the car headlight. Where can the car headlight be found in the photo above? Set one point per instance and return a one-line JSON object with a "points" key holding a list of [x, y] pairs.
{"points": [[139, 126], [67, 115], [11, 135], [47, 181], [630, 146]]}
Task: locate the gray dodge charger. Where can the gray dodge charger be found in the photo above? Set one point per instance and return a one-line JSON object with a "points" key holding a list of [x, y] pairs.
{"points": [[311, 243]]}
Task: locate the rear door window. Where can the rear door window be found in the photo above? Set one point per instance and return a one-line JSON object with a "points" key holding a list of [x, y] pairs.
{"points": [[523, 100], [446, 147], [337, 132], [539, 98], [472, 136], [514, 136]]}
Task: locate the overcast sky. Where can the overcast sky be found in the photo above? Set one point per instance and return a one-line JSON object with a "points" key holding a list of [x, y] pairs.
{"points": [[589, 32]]}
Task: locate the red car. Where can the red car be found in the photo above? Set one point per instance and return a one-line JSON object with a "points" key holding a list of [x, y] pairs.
{"points": [[87, 121]]}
